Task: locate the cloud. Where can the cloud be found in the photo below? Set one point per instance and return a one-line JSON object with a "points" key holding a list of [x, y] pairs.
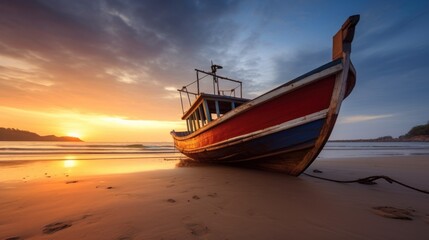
{"points": [[84, 54], [95, 127], [364, 118]]}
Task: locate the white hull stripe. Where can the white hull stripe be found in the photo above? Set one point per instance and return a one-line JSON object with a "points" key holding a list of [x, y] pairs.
{"points": [[262, 132]]}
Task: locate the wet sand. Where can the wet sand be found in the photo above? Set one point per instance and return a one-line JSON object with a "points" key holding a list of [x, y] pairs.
{"points": [[217, 202]]}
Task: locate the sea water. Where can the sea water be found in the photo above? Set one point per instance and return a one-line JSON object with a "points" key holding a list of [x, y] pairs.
{"points": [[373, 149], [18, 151], [26, 161], [21, 151]]}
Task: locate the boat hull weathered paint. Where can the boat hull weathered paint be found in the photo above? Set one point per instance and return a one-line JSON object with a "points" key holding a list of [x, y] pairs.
{"points": [[282, 130]]}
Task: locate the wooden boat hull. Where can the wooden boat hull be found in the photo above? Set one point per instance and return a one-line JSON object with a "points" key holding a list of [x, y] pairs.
{"points": [[283, 130]]}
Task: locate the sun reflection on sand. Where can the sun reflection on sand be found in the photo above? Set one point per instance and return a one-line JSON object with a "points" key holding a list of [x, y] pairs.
{"points": [[70, 163], [72, 166]]}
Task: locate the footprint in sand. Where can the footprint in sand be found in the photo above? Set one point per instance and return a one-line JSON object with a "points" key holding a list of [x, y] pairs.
{"points": [[213, 195], [55, 227], [98, 186], [58, 226], [14, 238], [69, 182], [197, 229], [86, 216], [395, 213], [196, 197]]}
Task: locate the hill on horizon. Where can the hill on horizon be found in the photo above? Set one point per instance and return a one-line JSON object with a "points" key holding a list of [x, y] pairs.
{"points": [[419, 133], [12, 134], [420, 130]]}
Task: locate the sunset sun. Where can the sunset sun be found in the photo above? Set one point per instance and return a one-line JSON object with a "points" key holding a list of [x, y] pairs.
{"points": [[74, 134]]}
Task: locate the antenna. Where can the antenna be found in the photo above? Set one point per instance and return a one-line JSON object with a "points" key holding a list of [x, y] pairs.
{"points": [[214, 68]]}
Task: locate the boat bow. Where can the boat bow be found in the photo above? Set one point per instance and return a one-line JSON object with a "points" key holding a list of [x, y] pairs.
{"points": [[282, 130]]}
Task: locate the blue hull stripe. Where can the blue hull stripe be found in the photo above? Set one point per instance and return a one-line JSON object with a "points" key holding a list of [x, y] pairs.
{"points": [[279, 141]]}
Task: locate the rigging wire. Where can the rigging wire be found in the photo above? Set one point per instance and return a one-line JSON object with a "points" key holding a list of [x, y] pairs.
{"points": [[195, 81]]}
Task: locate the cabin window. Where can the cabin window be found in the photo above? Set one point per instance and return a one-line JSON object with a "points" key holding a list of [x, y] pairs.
{"points": [[215, 108], [197, 119], [209, 110]]}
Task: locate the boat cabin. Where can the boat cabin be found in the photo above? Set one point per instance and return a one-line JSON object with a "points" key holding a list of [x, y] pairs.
{"points": [[207, 107]]}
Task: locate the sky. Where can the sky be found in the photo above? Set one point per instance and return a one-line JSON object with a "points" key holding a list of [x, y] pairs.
{"points": [[109, 70]]}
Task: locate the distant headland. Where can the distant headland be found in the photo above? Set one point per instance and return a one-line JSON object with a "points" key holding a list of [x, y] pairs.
{"points": [[418, 133], [12, 134]]}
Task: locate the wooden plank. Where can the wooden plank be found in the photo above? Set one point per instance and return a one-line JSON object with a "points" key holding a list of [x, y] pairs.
{"points": [[194, 128], [191, 124], [342, 40], [200, 112], [337, 49], [197, 119], [207, 111], [187, 125], [217, 108]]}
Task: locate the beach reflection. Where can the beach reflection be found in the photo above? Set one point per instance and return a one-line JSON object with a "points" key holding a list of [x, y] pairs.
{"points": [[70, 163], [72, 167]]}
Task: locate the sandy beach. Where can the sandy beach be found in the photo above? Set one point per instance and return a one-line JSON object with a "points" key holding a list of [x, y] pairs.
{"points": [[219, 202]]}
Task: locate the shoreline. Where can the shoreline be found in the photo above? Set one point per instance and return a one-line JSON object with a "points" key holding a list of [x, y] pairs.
{"points": [[219, 202]]}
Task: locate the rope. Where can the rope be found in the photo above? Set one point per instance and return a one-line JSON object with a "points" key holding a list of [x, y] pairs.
{"points": [[369, 181]]}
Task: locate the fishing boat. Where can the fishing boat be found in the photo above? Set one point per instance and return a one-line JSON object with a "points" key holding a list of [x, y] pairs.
{"points": [[282, 130]]}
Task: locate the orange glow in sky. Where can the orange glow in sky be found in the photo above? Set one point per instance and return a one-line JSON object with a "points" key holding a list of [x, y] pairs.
{"points": [[64, 85], [89, 127]]}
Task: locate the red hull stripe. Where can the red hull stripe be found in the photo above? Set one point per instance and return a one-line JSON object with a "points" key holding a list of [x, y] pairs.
{"points": [[272, 144], [301, 102]]}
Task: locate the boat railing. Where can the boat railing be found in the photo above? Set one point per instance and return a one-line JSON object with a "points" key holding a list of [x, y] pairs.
{"points": [[189, 93]]}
